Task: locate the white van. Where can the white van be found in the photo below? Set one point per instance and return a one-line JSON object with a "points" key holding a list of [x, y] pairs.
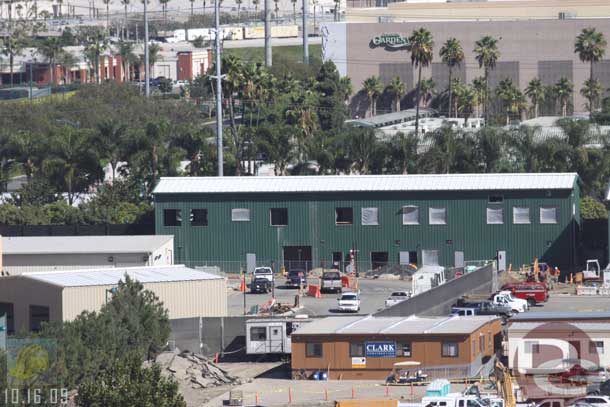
{"points": [[263, 272]]}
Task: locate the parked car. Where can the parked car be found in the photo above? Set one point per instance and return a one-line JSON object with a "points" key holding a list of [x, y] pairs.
{"points": [[486, 308], [331, 282], [532, 292], [296, 278], [397, 297], [349, 301], [595, 401], [260, 285], [263, 272], [602, 388]]}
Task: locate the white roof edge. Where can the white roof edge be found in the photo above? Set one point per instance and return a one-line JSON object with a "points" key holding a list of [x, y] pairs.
{"points": [[76, 271]]}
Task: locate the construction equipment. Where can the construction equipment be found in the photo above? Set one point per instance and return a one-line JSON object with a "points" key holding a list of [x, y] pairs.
{"points": [[593, 272], [504, 383]]}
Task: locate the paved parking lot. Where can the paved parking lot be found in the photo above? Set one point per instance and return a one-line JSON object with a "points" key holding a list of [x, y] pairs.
{"points": [[573, 303], [373, 293]]}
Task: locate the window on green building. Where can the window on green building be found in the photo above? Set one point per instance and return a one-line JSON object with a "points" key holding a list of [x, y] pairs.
{"points": [[437, 216], [370, 216], [410, 215], [172, 217], [548, 215], [199, 217], [495, 216], [279, 216], [344, 216], [240, 215], [521, 215]]}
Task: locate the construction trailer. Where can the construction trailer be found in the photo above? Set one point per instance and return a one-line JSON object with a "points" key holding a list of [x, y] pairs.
{"points": [[272, 335]]}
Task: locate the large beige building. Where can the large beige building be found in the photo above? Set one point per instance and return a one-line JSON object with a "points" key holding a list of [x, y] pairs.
{"points": [[32, 298], [24, 254]]}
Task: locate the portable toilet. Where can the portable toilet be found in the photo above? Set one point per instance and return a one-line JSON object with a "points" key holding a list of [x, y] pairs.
{"points": [[438, 388]]}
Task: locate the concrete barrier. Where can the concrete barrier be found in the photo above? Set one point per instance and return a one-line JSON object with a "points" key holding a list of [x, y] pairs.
{"points": [[438, 301]]}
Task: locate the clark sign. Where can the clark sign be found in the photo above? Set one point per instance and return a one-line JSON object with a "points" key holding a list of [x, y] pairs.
{"points": [[390, 41], [380, 349]]}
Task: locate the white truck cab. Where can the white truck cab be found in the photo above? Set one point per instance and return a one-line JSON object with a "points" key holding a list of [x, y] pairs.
{"points": [[454, 400], [263, 272], [507, 299]]}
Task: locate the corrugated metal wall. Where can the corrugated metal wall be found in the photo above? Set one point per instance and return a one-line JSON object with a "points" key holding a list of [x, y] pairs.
{"points": [[311, 222], [203, 298]]}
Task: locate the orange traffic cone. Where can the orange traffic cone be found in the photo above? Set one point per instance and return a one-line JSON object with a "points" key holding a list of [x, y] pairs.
{"points": [[242, 287]]}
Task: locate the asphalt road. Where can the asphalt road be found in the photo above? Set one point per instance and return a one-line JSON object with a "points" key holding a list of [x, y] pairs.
{"points": [[373, 293], [573, 303]]}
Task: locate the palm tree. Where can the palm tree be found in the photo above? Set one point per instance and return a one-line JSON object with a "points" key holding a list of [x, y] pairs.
{"points": [[125, 50], [592, 90], [590, 46], [452, 55], [458, 88], [294, 11], [336, 11], [50, 49], [256, 2], [107, 3], [487, 54], [192, 7], [467, 102], [125, 3], [238, 2], [421, 47], [536, 91], [13, 46], [478, 85], [403, 150], [511, 97], [153, 58], [164, 9], [97, 44], [397, 88], [373, 88], [203, 12], [345, 85], [427, 90], [111, 143], [563, 89], [67, 60], [277, 8]]}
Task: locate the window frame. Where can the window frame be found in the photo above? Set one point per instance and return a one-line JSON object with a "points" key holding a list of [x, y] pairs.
{"points": [[444, 350], [337, 223], [258, 328], [529, 215], [430, 216], [599, 350], [241, 220], [177, 217], [271, 211], [376, 216], [498, 208], [556, 208], [199, 224], [402, 346], [356, 349], [417, 222], [311, 347]]}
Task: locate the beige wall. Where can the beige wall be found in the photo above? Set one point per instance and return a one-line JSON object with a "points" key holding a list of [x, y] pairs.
{"points": [[524, 42], [186, 299], [23, 292], [17, 264], [505, 10]]}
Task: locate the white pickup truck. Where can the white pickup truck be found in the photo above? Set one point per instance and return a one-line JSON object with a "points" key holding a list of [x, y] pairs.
{"points": [[263, 272], [397, 297], [507, 299]]}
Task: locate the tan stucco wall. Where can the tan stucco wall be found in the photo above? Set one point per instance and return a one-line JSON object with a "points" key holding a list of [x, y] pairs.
{"points": [[23, 292], [504, 10]]}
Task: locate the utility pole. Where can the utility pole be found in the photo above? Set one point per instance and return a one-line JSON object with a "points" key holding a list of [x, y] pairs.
{"points": [[305, 32], [268, 55], [146, 56], [218, 92]]}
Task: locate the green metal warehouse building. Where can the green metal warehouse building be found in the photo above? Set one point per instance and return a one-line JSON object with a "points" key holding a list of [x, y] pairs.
{"points": [[308, 221]]}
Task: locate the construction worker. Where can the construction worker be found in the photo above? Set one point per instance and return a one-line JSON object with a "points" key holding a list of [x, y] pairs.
{"points": [[555, 277]]}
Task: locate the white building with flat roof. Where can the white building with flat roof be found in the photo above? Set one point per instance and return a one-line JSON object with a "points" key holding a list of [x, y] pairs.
{"points": [[47, 253]]}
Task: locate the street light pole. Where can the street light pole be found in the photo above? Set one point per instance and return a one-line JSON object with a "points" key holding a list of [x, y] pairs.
{"points": [[146, 56], [305, 32]]}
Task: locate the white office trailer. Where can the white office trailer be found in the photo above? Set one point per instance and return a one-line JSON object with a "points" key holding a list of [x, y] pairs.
{"points": [[272, 335], [48, 253]]}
